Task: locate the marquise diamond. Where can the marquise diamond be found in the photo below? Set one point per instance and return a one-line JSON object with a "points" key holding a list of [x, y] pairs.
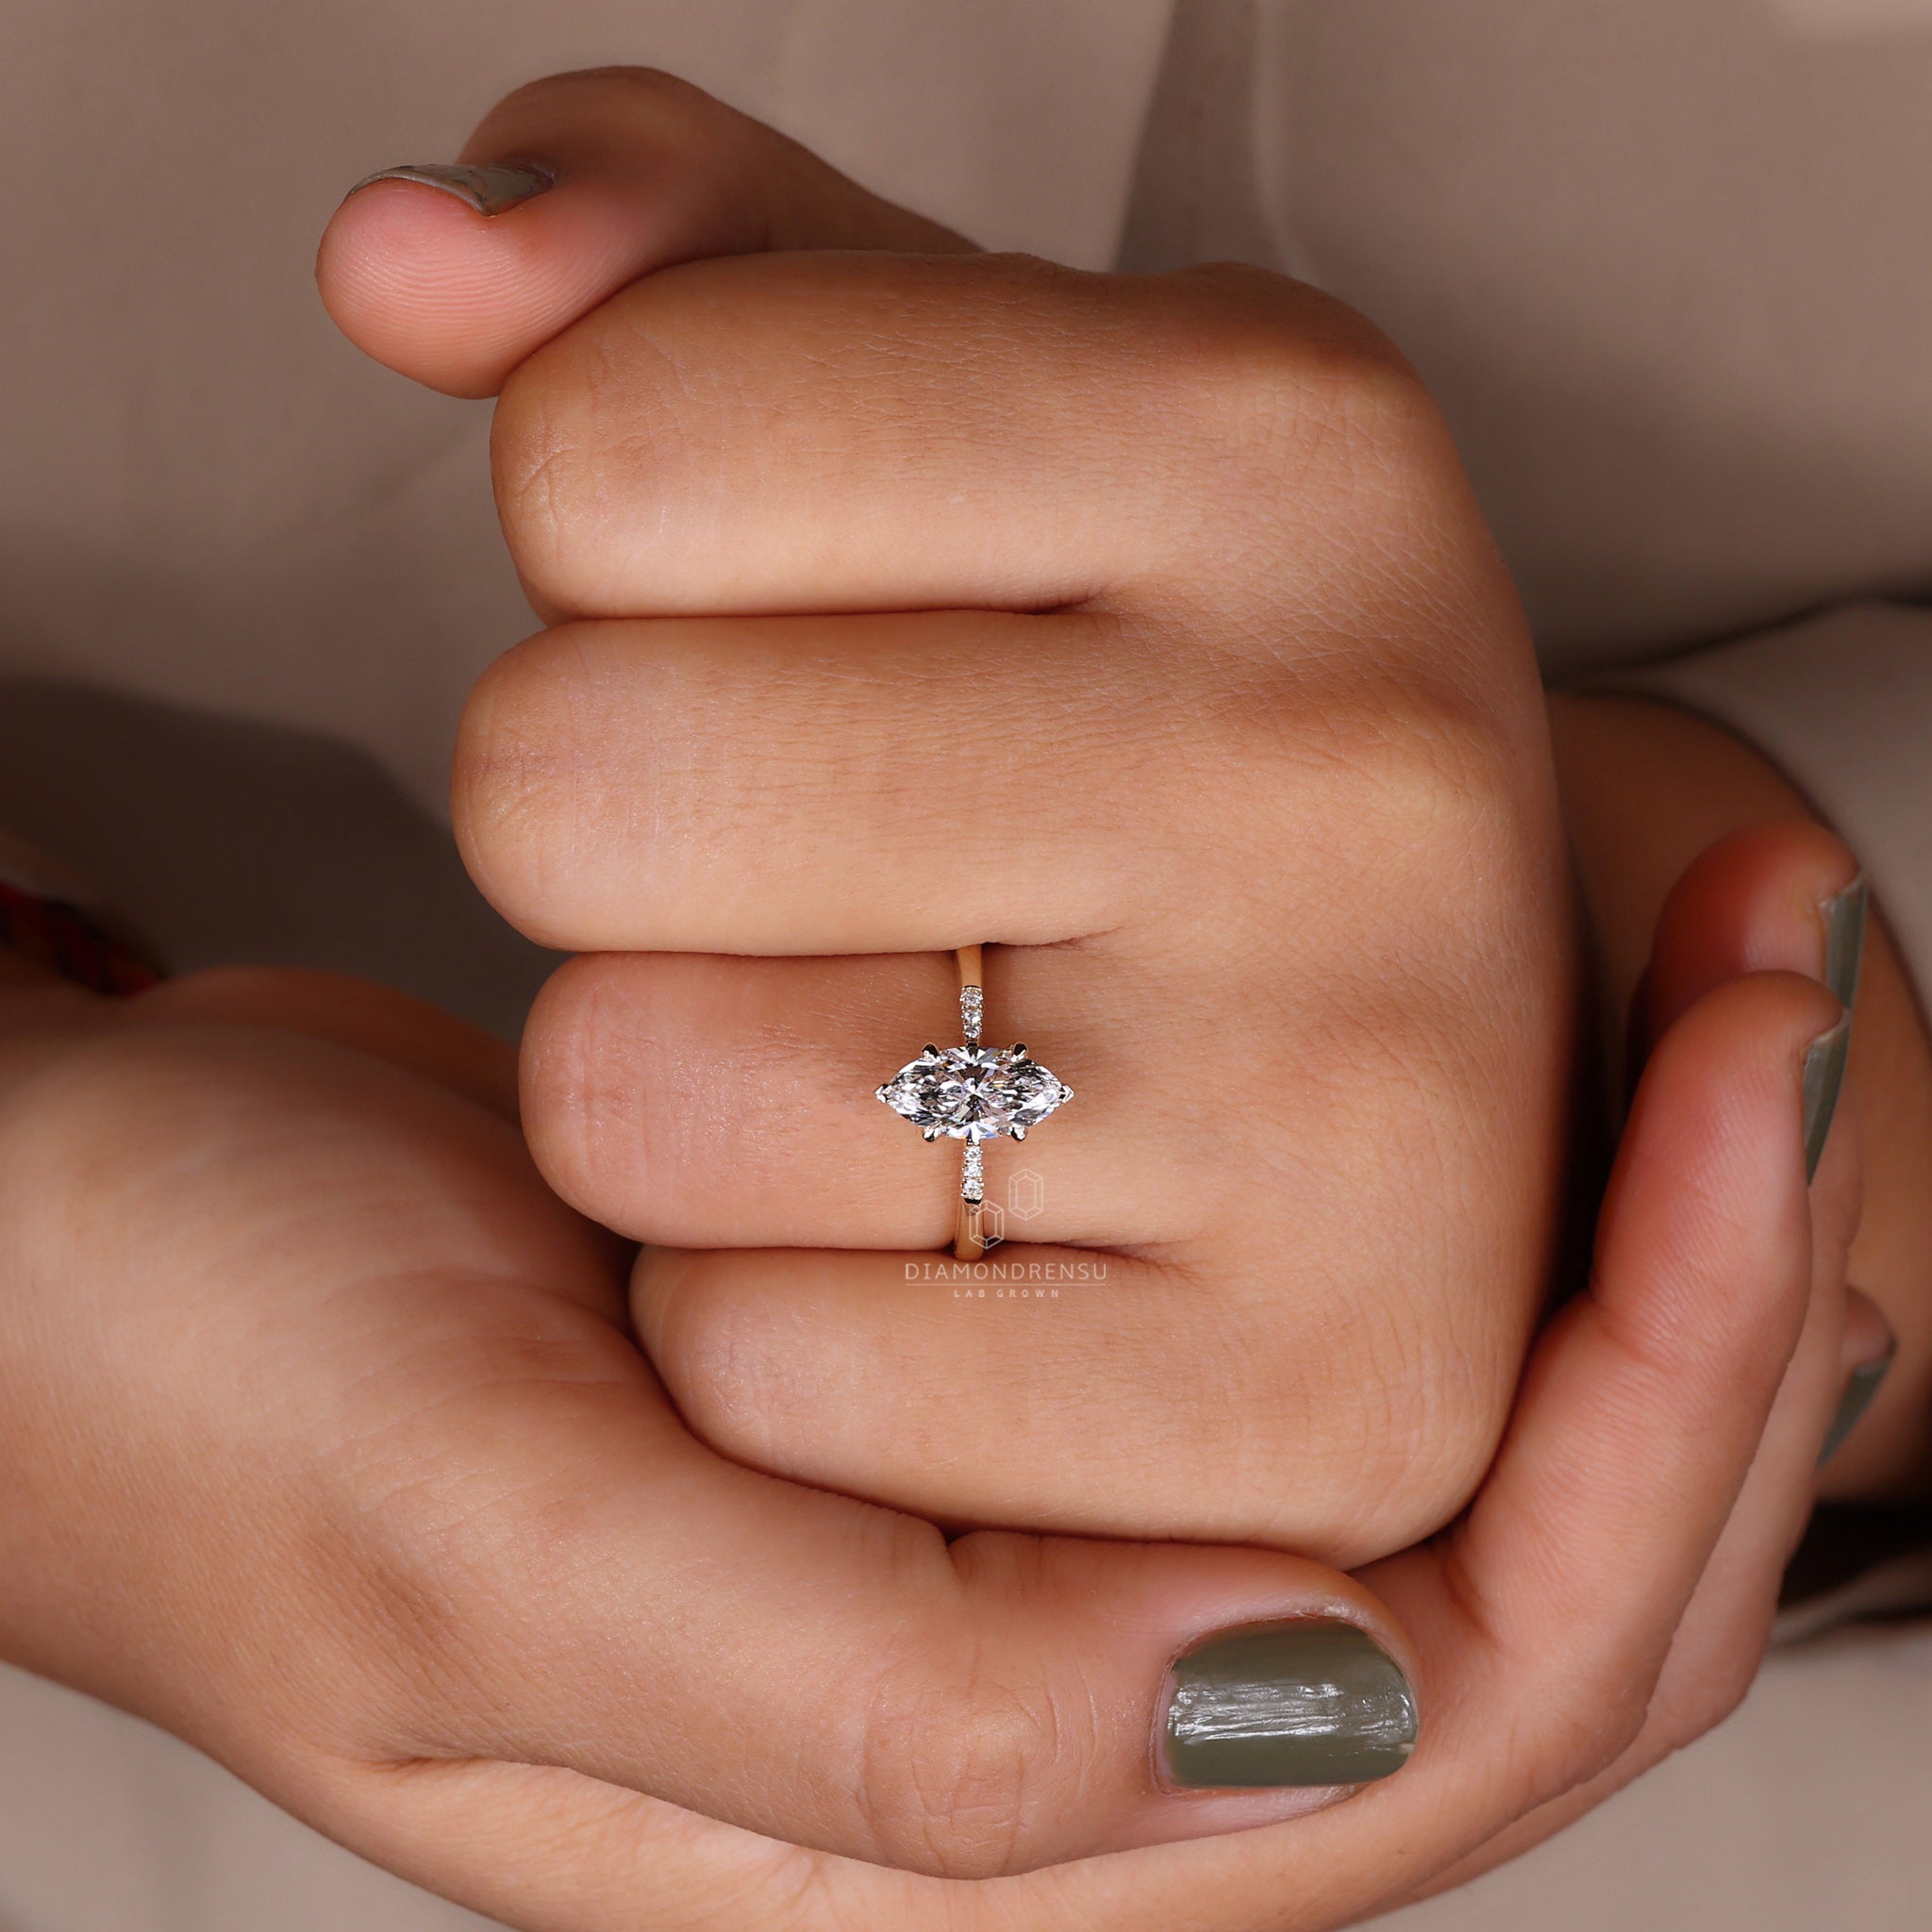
{"points": [[975, 1092]]}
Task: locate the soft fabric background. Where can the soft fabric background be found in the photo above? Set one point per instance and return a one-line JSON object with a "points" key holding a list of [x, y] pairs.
{"points": [[209, 496]]}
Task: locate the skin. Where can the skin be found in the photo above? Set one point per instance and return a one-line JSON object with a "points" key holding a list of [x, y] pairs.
{"points": [[671, 451], [512, 1629], [1255, 733], [1646, 790]]}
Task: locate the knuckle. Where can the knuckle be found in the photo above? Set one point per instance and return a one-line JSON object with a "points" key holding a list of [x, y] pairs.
{"points": [[554, 450], [1701, 1692], [1416, 771], [589, 101], [738, 1362], [584, 1048], [1724, 1686], [959, 1764], [1580, 1737], [600, 434], [1283, 376], [530, 786]]}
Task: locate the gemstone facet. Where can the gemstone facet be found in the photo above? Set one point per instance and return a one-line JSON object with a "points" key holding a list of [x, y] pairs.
{"points": [[975, 1092]]}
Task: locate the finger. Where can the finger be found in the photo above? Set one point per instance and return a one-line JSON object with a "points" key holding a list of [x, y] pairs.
{"points": [[1868, 1347], [866, 431], [1720, 1641], [723, 1103], [1785, 898], [970, 1393], [1645, 1406], [1683, 1337], [1791, 895], [781, 786], [1780, 897], [904, 783], [816, 1671], [643, 170], [697, 1101], [705, 1102]]}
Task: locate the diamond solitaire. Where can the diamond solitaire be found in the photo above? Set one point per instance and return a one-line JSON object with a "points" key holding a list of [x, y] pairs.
{"points": [[974, 1093]]}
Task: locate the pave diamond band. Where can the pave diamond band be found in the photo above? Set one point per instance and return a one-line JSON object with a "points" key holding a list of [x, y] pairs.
{"points": [[974, 1093]]}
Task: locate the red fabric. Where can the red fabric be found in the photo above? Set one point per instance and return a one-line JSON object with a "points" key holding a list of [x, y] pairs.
{"points": [[74, 944]]}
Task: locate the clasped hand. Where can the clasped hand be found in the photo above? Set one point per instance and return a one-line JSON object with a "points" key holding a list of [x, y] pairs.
{"points": [[900, 598]]}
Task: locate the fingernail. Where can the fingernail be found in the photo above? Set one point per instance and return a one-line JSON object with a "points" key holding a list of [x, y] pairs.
{"points": [[489, 187], [1825, 1074], [1860, 1387], [1844, 939], [1305, 1703]]}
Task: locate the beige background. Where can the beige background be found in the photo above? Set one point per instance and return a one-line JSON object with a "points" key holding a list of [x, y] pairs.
{"points": [[208, 495]]}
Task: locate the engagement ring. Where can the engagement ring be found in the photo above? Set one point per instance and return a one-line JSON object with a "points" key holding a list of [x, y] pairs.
{"points": [[973, 1094]]}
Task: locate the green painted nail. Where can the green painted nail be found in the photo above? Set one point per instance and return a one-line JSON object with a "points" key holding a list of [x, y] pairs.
{"points": [[1304, 1703], [489, 187], [1825, 1074], [1860, 1388], [1844, 939]]}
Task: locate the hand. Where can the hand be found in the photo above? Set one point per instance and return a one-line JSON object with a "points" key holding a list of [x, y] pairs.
{"points": [[1608, 1643], [1238, 756], [328, 1447], [325, 1448]]}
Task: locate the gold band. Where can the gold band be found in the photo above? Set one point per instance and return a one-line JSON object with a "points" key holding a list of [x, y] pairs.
{"points": [[969, 1243]]}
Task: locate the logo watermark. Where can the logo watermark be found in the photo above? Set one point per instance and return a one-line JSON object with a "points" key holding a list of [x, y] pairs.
{"points": [[1030, 1274], [1009, 1280], [1026, 1194], [1025, 1198]]}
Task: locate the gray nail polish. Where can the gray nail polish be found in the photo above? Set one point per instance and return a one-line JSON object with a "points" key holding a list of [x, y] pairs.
{"points": [[1825, 1074], [1860, 1387], [1844, 939], [489, 187], [1311, 1702]]}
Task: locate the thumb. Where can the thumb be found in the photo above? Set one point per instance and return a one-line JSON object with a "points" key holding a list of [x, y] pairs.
{"points": [[570, 188]]}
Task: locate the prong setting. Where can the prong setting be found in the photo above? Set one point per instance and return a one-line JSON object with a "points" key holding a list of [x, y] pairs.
{"points": [[974, 1094]]}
